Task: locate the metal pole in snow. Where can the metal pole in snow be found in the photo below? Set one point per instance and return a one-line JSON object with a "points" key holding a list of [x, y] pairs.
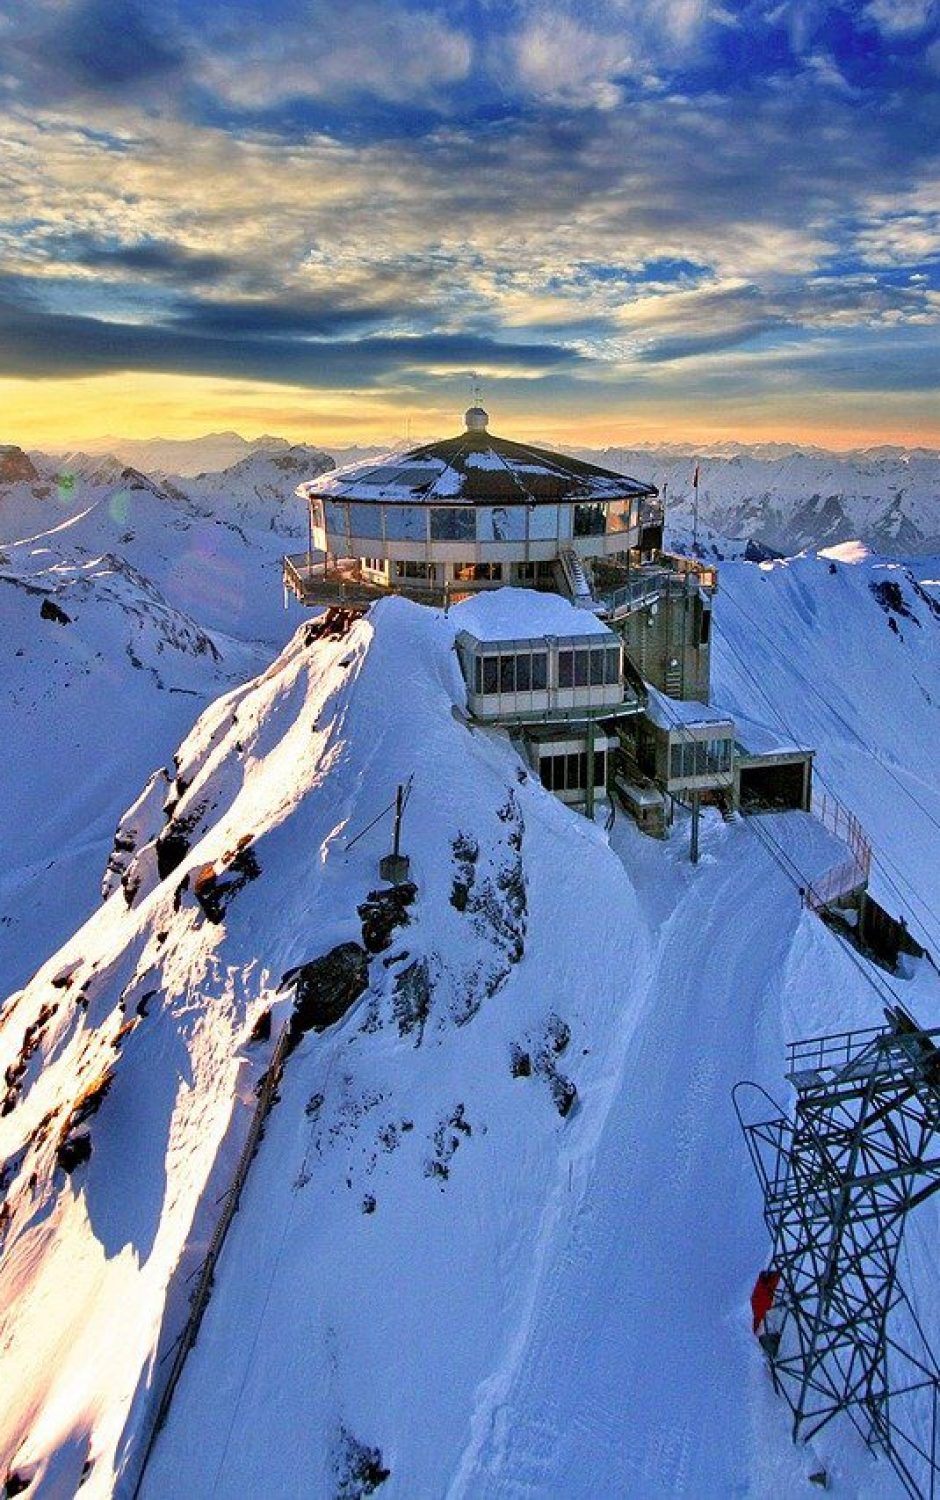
{"points": [[693, 847], [399, 795], [589, 771]]}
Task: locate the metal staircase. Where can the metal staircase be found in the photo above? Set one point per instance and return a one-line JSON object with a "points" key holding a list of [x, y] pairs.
{"points": [[575, 578]]}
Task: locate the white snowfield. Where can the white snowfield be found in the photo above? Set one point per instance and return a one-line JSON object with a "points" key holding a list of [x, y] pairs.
{"points": [[501, 1230]]}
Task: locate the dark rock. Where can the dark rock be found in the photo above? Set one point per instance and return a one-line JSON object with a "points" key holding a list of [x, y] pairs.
{"points": [[51, 611], [557, 1034], [326, 988], [564, 1094], [412, 998], [172, 848], [74, 1150], [520, 1063], [214, 888], [359, 1469], [261, 1031], [383, 912], [891, 599]]}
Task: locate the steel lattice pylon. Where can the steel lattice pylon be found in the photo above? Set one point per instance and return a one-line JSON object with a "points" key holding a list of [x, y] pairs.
{"points": [[839, 1180]]}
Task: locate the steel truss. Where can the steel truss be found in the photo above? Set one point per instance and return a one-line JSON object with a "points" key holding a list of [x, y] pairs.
{"points": [[839, 1181]]}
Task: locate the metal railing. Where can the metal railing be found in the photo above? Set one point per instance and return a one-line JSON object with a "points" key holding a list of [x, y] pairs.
{"points": [[705, 574], [850, 874]]}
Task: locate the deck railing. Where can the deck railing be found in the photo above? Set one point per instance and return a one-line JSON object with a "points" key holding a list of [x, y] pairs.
{"points": [[850, 874]]}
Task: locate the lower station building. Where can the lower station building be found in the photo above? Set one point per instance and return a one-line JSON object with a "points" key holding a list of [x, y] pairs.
{"points": [[602, 669]]}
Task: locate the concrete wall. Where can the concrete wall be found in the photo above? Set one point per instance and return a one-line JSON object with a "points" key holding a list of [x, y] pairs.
{"points": [[665, 642]]}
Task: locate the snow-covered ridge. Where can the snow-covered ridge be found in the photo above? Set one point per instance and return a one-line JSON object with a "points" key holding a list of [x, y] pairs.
{"points": [[501, 1214]]}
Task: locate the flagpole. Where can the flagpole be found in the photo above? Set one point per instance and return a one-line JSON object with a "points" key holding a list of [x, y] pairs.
{"points": [[695, 510]]}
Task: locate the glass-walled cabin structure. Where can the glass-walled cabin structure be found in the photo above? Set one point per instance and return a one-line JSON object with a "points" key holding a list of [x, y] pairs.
{"points": [[560, 692]]}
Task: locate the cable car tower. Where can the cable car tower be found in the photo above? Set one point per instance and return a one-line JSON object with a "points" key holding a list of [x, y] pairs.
{"points": [[839, 1180]]}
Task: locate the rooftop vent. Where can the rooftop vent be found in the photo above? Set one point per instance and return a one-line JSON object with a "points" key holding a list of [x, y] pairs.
{"points": [[476, 419]]}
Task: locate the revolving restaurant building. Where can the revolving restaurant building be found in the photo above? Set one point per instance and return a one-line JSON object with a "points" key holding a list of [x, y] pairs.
{"points": [[472, 512]]}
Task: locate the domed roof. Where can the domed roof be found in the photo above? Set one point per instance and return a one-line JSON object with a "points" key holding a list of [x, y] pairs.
{"points": [[476, 468]]}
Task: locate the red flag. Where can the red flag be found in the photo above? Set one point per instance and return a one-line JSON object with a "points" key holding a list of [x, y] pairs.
{"points": [[695, 477]]}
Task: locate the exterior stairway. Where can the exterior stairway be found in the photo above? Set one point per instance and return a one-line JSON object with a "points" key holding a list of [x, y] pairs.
{"points": [[577, 585]]}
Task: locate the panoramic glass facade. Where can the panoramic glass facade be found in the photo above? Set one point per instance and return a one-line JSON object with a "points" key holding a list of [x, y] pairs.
{"points": [[346, 522]]}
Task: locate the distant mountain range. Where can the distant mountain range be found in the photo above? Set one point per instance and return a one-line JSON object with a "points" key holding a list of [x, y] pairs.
{"points": [[796, 499], [774, 495]]}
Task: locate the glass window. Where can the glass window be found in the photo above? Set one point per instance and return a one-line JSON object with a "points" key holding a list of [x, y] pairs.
{"points": [[365, 520], [478, 572], [572, 768], [621, 515], [477, 674], [523, 673], [507, 674], [675, 762], [406, 523], [597, 666], [335, 515], [490, 674], [415, 570], [613, 665], [546, 768], [589, 520], [539, 671], [453, 523], [582, 668], [600, 767], [565, 669], [543, 523], [501, 523]]}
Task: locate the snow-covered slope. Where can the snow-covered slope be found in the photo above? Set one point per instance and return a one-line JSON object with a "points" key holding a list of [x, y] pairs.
{"points": [[214, 551], [262, 485], [842, 651], [167, 603], [500, 1233], [101, 674]]}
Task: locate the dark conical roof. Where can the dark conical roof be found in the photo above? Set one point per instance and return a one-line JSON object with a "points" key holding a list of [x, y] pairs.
{"points": [[479, 468]]}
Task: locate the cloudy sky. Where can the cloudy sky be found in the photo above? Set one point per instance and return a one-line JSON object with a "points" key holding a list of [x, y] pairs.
{"points": [[634, 219]]}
